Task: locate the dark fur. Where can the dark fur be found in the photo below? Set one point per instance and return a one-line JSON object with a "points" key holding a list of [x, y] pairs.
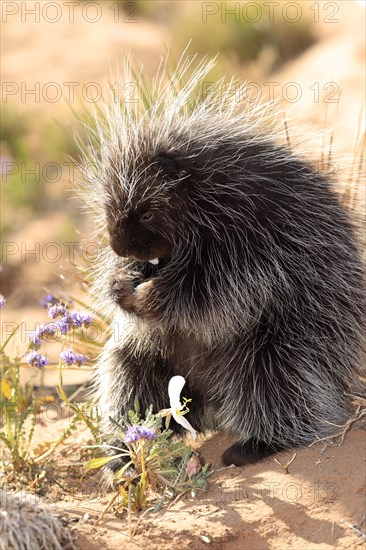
{"points": [[259, 299]]}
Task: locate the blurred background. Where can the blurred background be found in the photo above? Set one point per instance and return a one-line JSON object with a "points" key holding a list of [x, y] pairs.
{"points": [[56, 57]]}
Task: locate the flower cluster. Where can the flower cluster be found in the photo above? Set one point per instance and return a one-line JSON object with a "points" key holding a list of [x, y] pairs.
{"points": [[41, 332], [80, 319], [63, 324], [37, 360], [72, 358], [135, 433], [57, 310], [63, 321], [2, 301]]}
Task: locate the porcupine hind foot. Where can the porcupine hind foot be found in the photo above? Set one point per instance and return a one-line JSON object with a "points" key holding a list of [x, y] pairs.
{"points": [[248, 452]]}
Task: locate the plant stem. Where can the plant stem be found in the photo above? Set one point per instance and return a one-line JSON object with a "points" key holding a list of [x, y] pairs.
{"points": [[143, 466]]}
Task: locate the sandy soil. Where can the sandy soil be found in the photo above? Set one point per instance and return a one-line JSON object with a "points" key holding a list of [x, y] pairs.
{"points": [[256, 507]]}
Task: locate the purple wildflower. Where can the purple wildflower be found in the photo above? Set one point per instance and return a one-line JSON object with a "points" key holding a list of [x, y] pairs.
{"points": [[37, 360], [65, 321], [71, 358], [63, 324], [46, 330], [2, 301], [87, 319], [41, 332], [48, 300], [80, 319], [35, 339], [57, 310], [147, 433], [135, 433], [76, 318], [81, 359], [49, 329], [67, 357]]}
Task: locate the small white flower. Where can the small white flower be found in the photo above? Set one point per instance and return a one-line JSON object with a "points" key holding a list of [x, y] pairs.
{"points": [[177, 410]]}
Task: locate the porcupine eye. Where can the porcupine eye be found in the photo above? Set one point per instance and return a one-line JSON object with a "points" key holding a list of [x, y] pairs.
{"points": [[146, 216]]}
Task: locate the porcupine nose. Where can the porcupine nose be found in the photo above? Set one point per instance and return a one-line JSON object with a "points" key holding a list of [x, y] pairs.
{"points": [[118, 242], [121, 240], [122, 247]]}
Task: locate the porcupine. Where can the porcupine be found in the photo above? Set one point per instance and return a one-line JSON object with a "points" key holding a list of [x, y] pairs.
{"points": [[231, 262]]}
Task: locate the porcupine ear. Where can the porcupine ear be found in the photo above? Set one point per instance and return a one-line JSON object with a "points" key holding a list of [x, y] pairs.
{"points": [[171, 165]]}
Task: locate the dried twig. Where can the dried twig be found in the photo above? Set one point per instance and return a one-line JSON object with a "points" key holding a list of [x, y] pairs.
{"points": [[286, 466], [177, 498], [107, 508], [139, 520], [360, 413], [129, 510], [359, 532]]}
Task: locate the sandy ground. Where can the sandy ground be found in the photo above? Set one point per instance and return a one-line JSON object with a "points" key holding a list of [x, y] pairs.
{"points": [[256, 507]]}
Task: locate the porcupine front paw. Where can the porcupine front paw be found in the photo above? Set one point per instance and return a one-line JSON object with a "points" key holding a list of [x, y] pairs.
{"points": [[145, 300], [135, 295], [122, 291]]}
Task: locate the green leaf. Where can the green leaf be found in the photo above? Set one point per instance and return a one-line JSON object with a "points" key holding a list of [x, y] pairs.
{"points": [[137, 407], [119, 425], [167, 421], [98, 462], [122, 470]]}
